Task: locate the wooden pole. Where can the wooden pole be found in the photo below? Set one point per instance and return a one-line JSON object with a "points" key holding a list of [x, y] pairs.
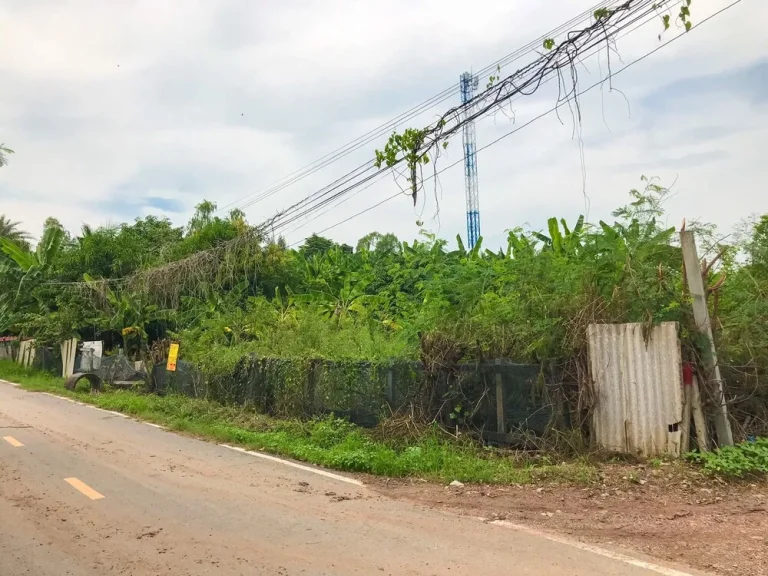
{"points": [[703, 325]]}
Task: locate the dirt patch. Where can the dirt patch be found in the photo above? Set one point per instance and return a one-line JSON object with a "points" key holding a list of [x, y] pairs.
{"points": [[671, 512]]}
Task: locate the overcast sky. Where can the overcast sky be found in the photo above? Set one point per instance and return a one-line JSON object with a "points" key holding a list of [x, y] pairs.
{"points": [[121, 109]]}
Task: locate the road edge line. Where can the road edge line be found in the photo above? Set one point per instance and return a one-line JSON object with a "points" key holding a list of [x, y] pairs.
{"points": [[636, 562], [292, 464]]}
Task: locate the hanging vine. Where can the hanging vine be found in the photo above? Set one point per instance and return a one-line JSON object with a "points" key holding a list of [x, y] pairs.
{"points": [[413, 147]]}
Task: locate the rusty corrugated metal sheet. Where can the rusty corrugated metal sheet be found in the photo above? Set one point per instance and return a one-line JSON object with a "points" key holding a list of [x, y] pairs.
{"points": [[638, 398]]}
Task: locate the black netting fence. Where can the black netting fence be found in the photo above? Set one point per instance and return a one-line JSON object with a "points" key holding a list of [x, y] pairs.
{"points": [[502, 399], [47, 359], [505, 401]]}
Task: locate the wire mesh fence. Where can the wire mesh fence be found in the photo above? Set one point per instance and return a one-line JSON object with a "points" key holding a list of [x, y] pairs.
{"points": [[500, 398], [504, 401]]}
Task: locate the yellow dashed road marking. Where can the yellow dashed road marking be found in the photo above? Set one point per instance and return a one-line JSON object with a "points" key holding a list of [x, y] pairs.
{"points": [[12, 441], [83, 488]]}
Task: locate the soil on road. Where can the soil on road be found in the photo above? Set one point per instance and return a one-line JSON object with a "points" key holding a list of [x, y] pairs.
{"points": [[669, 512], [86, 492]]}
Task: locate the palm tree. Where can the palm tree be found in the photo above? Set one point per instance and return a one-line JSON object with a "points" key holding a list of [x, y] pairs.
{"points": [[4, 151], [11, 231], [30, 264]]}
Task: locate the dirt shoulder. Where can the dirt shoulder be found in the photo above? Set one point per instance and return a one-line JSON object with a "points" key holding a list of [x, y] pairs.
{"points": [[671, 512]]}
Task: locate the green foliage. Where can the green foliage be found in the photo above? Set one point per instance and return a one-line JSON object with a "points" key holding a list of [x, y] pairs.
{"points": [[316, 246], [602, 13], [549, 43], [127, 313], [403, 146], [756, 247], [741, 460], [21, 272], [684, 15], [492, 79], [116, 251], [283, 328], [406, 147]]}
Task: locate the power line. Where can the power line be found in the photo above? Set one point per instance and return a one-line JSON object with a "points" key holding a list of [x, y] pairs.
{"points": [[351, 217], [533, 74], [291, 214], [542, 115], [368, 137], [342, 201], [543, 68]]}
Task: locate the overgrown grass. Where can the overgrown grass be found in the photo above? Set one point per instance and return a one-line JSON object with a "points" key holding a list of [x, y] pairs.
{"points": [[329, 442], [31, 379]]}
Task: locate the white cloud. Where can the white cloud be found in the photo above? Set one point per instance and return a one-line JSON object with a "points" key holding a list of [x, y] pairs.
{"points": [[110, 106]]}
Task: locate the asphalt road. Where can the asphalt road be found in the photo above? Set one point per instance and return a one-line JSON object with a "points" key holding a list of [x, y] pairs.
{"points": [[86, 492]]}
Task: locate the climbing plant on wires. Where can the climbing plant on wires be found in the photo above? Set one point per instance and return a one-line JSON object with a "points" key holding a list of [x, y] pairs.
{"points": [[414, 148]]}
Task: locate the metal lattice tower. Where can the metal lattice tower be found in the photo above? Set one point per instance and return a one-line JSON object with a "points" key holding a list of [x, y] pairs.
{"points": [[468, 83]]}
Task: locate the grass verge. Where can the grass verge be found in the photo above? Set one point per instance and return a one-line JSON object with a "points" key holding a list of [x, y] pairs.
{"points": [[328, 442]]}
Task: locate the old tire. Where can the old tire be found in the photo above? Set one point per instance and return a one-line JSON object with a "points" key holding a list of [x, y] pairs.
{"points": [[92, 379]]}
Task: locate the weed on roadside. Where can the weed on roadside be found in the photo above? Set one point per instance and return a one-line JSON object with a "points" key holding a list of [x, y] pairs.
{"points": [[742, 460]]}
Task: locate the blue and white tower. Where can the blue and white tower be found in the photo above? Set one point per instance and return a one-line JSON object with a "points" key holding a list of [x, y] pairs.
{"points": [[468, 83]]}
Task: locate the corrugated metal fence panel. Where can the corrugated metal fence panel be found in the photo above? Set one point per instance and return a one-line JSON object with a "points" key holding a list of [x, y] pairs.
{"points": [[638, 390]]}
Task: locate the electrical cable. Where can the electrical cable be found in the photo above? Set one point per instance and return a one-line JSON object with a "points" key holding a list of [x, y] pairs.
{"points": [[518, 128], [368, 137], [291, 215]]}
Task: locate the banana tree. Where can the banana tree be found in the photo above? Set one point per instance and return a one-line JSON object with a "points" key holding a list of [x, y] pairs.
{"points": [[210, 302], [565, 242], [463, 254], [8, 315], [285, 306], [128, 314]]}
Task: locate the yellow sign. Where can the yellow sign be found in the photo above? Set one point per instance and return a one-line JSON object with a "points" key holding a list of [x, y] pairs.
{"points": [[173, 355]]}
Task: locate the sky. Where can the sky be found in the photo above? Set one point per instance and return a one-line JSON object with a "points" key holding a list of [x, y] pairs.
{"points": [[119, 110]]}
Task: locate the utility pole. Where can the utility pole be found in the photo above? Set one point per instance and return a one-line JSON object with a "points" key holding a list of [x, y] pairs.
{"points": [[703, 325], [467, 84]]}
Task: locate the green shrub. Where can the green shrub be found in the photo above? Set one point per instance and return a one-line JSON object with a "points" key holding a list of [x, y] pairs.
{"points": [[745, 459]]}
